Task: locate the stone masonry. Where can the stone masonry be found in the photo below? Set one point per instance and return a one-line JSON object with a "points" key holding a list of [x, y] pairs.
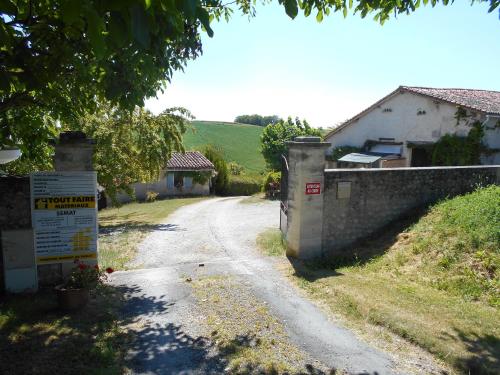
{"points": [[360, 202]]}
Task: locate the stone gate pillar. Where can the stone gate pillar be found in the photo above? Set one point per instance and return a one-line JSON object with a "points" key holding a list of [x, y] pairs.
{"points": [[73, 152], [306, 162]]}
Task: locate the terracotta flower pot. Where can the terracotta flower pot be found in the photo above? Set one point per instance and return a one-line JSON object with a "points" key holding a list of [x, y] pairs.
{"points": [[71, 299]]}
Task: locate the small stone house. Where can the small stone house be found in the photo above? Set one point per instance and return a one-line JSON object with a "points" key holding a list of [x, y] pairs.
{"points": [[186, 174], [401, 128]]}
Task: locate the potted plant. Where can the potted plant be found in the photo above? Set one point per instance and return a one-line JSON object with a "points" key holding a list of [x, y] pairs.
{"points": [[84, 279]]}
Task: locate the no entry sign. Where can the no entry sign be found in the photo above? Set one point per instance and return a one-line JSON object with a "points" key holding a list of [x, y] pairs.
{"points": [[313, 188]]}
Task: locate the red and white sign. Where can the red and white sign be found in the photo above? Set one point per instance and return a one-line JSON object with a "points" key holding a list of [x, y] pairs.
{"points": [[313, 188]]}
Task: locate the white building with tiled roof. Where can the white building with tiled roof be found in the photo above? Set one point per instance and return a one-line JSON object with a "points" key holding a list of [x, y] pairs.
{"points": [[186, 174], [408, 121]]}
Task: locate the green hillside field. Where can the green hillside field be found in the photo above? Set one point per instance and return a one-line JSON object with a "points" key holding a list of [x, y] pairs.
{"points": [[240, 143]]}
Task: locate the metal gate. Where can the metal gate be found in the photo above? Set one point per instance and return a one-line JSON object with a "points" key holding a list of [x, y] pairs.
{"points": [[284, 194]]}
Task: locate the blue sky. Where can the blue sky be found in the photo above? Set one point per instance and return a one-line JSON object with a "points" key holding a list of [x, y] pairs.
{"points": [[327, 72]]}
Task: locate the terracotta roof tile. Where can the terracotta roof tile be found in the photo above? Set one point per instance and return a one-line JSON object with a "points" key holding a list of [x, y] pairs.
{"points": [[480, 100], [191, 160]]}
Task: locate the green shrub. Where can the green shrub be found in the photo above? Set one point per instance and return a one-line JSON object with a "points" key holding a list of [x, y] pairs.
{"points": [[216, 156], [242, 185], [151, 196], [235, 169], [272, 178]]}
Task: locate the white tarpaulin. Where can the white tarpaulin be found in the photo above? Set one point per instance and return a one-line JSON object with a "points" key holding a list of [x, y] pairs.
{"points": [[64, 216]]}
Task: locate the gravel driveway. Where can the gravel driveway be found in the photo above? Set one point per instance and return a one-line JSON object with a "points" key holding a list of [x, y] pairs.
{"points": [[217, 237]]}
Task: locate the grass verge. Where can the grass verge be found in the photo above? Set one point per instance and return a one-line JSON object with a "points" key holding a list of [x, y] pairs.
{"points": [[251, 339], [36, 338], [435, 284], [271, 242], [123, 228]]}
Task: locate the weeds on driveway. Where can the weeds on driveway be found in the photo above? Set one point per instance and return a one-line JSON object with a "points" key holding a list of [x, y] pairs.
{"points": [[245, 332]]}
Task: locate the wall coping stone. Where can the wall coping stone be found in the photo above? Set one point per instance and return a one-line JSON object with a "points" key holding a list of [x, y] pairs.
{"points": [[308, 144], [375, 170]]}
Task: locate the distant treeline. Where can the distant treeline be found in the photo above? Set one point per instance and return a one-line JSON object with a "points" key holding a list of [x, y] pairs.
{"points": [[257, 119]]}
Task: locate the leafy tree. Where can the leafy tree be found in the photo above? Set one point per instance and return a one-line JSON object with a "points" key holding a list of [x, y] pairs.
{"points": [[59, 58], [132, 146], [274, 136], [221, 180], [257, 119]]}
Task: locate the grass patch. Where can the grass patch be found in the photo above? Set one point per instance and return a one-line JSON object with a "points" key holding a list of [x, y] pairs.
{"points": [[271, 242], [241, 143], [123, 228], [36, 338], [436, 284], [251, 339]]}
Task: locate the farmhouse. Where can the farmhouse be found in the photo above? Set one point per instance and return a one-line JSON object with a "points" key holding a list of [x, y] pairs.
{"points": [[185, 174], [401, 129]]}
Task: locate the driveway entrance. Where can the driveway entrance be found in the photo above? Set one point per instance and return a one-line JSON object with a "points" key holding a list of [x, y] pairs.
{"points": [[216, 237]]}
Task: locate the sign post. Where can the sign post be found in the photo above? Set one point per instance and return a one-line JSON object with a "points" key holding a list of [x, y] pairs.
{"points": [[64, 216]]}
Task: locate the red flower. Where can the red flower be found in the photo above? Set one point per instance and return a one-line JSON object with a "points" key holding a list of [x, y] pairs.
{"points": [[96, 267], [109, 270], [82, 266]]}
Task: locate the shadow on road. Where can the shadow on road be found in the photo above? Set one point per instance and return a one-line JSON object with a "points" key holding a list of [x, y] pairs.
{"points": [[160, 346], [120, 228]]}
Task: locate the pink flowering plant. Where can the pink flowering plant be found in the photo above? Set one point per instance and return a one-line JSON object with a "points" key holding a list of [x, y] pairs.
{"points": [[84, 276]]}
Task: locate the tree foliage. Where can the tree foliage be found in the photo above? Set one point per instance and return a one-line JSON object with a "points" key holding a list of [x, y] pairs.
{"points": [[59, 58], [221, 180], [257, 119], [132, 146], [274, 136]]}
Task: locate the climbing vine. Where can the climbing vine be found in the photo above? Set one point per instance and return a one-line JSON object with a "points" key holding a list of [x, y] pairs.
{"points": [[454, 150], [200, 178]]}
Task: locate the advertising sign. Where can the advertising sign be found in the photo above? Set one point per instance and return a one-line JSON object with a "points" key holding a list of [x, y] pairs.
{"points": [[64, 216], [313, 188]]}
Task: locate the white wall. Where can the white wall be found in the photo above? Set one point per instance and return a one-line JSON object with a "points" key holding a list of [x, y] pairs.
{"points": [[403, 123], [163, 190]]}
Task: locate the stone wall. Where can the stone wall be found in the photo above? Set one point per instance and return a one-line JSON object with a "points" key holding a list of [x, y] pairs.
{"points": [[15, 209], [360, 202]]}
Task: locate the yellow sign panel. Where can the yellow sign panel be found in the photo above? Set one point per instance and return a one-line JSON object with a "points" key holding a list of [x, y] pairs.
{"points": [[65, 258], [82, 240], [57, 203]]}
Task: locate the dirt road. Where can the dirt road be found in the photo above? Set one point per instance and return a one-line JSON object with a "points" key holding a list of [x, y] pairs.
{"points": [[217, 237]]}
